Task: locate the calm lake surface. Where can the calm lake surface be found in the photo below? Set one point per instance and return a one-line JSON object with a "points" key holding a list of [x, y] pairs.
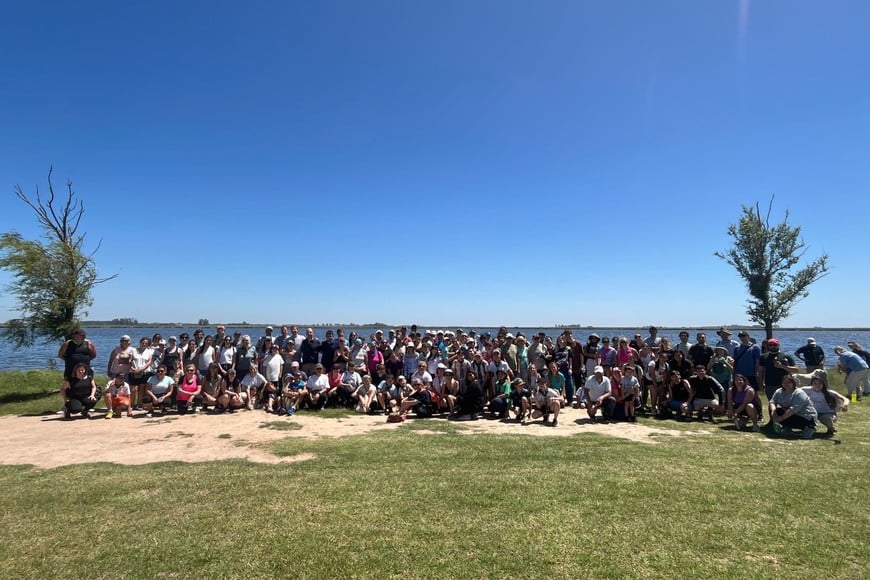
{"points": [[106, 339]]}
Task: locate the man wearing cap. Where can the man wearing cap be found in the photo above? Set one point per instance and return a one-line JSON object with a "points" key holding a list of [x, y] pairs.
{"points": [[747, 357], [812, 355], [725, 340], [773, 366], [510, 355], [599, 395]]}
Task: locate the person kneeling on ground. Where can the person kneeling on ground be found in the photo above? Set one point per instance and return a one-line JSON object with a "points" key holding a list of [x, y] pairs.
{"points": [[254, 384], [420, 401], [677, 397], [500, 403], [364, 395], [189, 391], [293, 392], [547, 401], [470, 401], [790, 407], [826, 402], [317, 389], [599, 395], [117, 397], [743, 403], [520, 399], [80, 393], [232, 396], [159, 389], [705, 394]]}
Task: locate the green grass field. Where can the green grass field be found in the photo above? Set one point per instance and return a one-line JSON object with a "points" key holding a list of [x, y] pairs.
{"points": [[426, 501]]}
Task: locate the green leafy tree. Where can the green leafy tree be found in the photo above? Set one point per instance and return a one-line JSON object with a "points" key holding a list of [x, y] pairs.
{"points": [[766, 256], [52, 278]]}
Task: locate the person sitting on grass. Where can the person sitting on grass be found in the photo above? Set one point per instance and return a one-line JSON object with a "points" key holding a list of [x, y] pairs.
{"points": [[790, 407], [743, 403], [117, 397], [705, 394], [547, 401], [599, 395], [500, 403], [826, 402], [159, 389], [629, 391], [80, 392], [677, 396], [520, 399]]}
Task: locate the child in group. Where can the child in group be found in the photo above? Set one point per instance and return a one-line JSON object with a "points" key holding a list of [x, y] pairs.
{"points": [[520, 399], [117, 397], [629, 389], [294, 389]]}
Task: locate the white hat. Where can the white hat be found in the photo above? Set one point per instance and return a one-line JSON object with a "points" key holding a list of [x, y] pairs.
{"points": [[598, 369]]}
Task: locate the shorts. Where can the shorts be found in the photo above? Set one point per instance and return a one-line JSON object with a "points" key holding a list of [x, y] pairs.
{"points": [[136, 379], [116, 402], [675, 405], [701, 403]]}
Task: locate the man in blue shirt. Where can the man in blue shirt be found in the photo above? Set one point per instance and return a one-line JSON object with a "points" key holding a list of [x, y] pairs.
{"points": [[746, 359], [855, 367]]}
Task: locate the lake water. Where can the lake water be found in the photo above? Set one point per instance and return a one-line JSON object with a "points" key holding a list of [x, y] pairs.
{"points": [[106, 339]]}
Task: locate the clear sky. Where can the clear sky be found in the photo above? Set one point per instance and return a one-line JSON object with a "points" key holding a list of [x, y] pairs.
{"points": [[449, 162]]}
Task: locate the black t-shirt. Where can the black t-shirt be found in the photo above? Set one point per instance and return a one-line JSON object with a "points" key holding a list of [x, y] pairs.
{"points": [[772, 375], [705, 388], [700, 354]]}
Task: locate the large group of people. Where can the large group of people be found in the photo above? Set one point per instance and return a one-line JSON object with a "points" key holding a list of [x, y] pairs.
{"points": [[465, 374]]}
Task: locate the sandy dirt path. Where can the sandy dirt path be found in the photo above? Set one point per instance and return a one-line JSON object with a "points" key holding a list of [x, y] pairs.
{"points": [[50, 441]]}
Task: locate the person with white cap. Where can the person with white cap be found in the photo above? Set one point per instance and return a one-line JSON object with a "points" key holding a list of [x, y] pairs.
{"points": [[599, 395], [812, 355]]}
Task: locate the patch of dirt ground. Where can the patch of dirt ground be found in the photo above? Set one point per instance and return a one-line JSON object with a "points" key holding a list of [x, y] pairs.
{"points": [[50, 441]]}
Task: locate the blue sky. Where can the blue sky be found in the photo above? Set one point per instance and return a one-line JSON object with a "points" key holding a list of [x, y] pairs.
{"points": [[441, 162]]}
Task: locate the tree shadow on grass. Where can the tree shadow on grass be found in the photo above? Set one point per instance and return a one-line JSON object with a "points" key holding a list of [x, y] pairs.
{"points": [[23, 397]]}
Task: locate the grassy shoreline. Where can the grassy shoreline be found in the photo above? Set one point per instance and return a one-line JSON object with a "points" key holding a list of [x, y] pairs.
{"points": [[427, 501]]}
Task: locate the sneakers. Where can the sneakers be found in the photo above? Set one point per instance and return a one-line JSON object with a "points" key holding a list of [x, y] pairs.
{"points": [[149, 414], [809, 432], [291, 410], [66, 413], [739, 424], [110, 414], [555, 423], [756, 428]]}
